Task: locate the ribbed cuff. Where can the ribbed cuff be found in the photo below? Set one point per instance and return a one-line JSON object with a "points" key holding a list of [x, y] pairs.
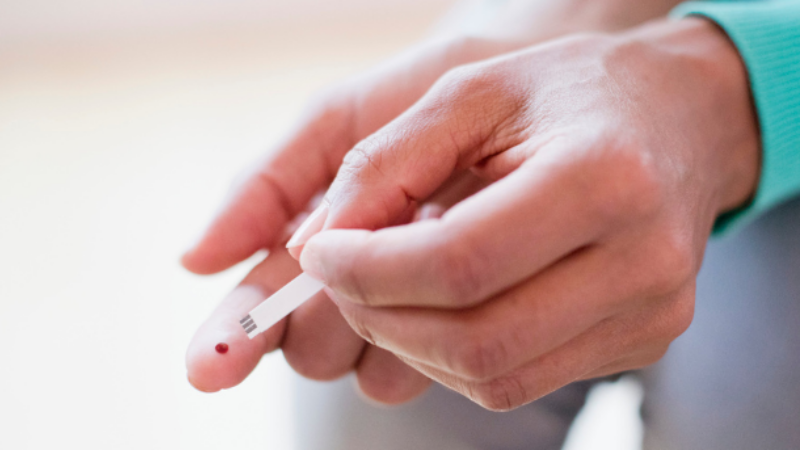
{"points": [[767, 35]]}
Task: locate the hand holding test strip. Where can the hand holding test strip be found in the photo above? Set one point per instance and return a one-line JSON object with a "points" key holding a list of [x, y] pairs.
{"points": [[578, 260]]}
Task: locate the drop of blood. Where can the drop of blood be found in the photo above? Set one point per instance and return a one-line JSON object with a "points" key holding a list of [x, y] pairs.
{"points": [[221, 348]]}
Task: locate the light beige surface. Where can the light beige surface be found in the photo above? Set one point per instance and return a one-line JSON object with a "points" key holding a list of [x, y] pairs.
{"points": [[112, 155], [114, 151]]}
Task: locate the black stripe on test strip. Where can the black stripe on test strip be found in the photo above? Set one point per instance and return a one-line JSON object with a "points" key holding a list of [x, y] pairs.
{"points": [[248, 324]]}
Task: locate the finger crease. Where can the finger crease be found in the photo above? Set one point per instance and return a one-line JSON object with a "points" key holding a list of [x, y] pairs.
{"points": [[283, 198]]}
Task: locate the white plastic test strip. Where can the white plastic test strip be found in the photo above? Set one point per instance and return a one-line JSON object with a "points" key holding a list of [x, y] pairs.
{"points": [[280, 304]]}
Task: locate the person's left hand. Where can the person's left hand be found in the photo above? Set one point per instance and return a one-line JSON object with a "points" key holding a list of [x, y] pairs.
{"points": [[611, 158]]}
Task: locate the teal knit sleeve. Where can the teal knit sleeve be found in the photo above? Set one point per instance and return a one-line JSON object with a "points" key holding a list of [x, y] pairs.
{"points": [[767, 35]]}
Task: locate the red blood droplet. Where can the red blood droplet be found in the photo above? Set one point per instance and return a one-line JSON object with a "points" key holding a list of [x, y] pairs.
{"points": [[221, 348]]}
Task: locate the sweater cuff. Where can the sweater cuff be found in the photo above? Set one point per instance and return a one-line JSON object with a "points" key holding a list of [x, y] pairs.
{"points": [[767, 35]]}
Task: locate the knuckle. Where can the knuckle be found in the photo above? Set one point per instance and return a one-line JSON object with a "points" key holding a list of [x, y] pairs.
{"points": [[361, 328], [473, 81], [673, 264], [639, 360], [680, 317], [362, 158], [655, 356], [501, 394], [457, 80], [354, 276], [476, 357], [671, 319], [459, 277], [629, 186]]}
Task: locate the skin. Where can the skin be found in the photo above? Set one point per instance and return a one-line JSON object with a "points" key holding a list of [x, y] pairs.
{"points": [[599, 280], [609, 159]]}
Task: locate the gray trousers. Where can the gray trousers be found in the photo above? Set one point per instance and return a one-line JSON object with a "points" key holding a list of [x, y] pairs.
{"points": [[731, 382]]}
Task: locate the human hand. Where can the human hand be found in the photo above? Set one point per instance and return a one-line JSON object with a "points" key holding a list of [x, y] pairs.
{"points": [[315, 339], [610, 156]]}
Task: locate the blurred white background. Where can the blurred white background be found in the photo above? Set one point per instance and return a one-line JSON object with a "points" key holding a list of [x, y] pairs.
{"points": [[121, 125]]}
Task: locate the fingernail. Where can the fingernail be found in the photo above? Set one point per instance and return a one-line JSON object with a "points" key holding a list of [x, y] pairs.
{"points": [[430, 211], [311, 265], [311, 226]]}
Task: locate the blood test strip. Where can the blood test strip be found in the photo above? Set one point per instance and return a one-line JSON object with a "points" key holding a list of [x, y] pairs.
{"points": [[280, 304]]}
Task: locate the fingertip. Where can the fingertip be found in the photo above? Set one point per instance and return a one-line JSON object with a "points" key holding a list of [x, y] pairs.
{"points": [[200, 261], [296, 251], [319, 344], [383, 394], [210, 371], [385, 379], [211, 366], [199, 386], [190, 262], [253, 219]]}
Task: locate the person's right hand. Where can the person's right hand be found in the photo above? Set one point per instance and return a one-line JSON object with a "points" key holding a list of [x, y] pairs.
{"points": [[316, 340]]}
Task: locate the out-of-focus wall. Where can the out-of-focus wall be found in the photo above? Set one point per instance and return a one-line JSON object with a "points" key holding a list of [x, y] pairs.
{"points": [[122, 124], [47, 19]]}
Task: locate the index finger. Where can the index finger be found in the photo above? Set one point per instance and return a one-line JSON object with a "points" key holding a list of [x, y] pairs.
{"points": [[210, 369], [280, 186], [469, 115]]}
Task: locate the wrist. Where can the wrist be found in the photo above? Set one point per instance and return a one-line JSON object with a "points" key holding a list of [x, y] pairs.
{"points": [[618, 15], [737, 154], [720, 131], [535, 21]]}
